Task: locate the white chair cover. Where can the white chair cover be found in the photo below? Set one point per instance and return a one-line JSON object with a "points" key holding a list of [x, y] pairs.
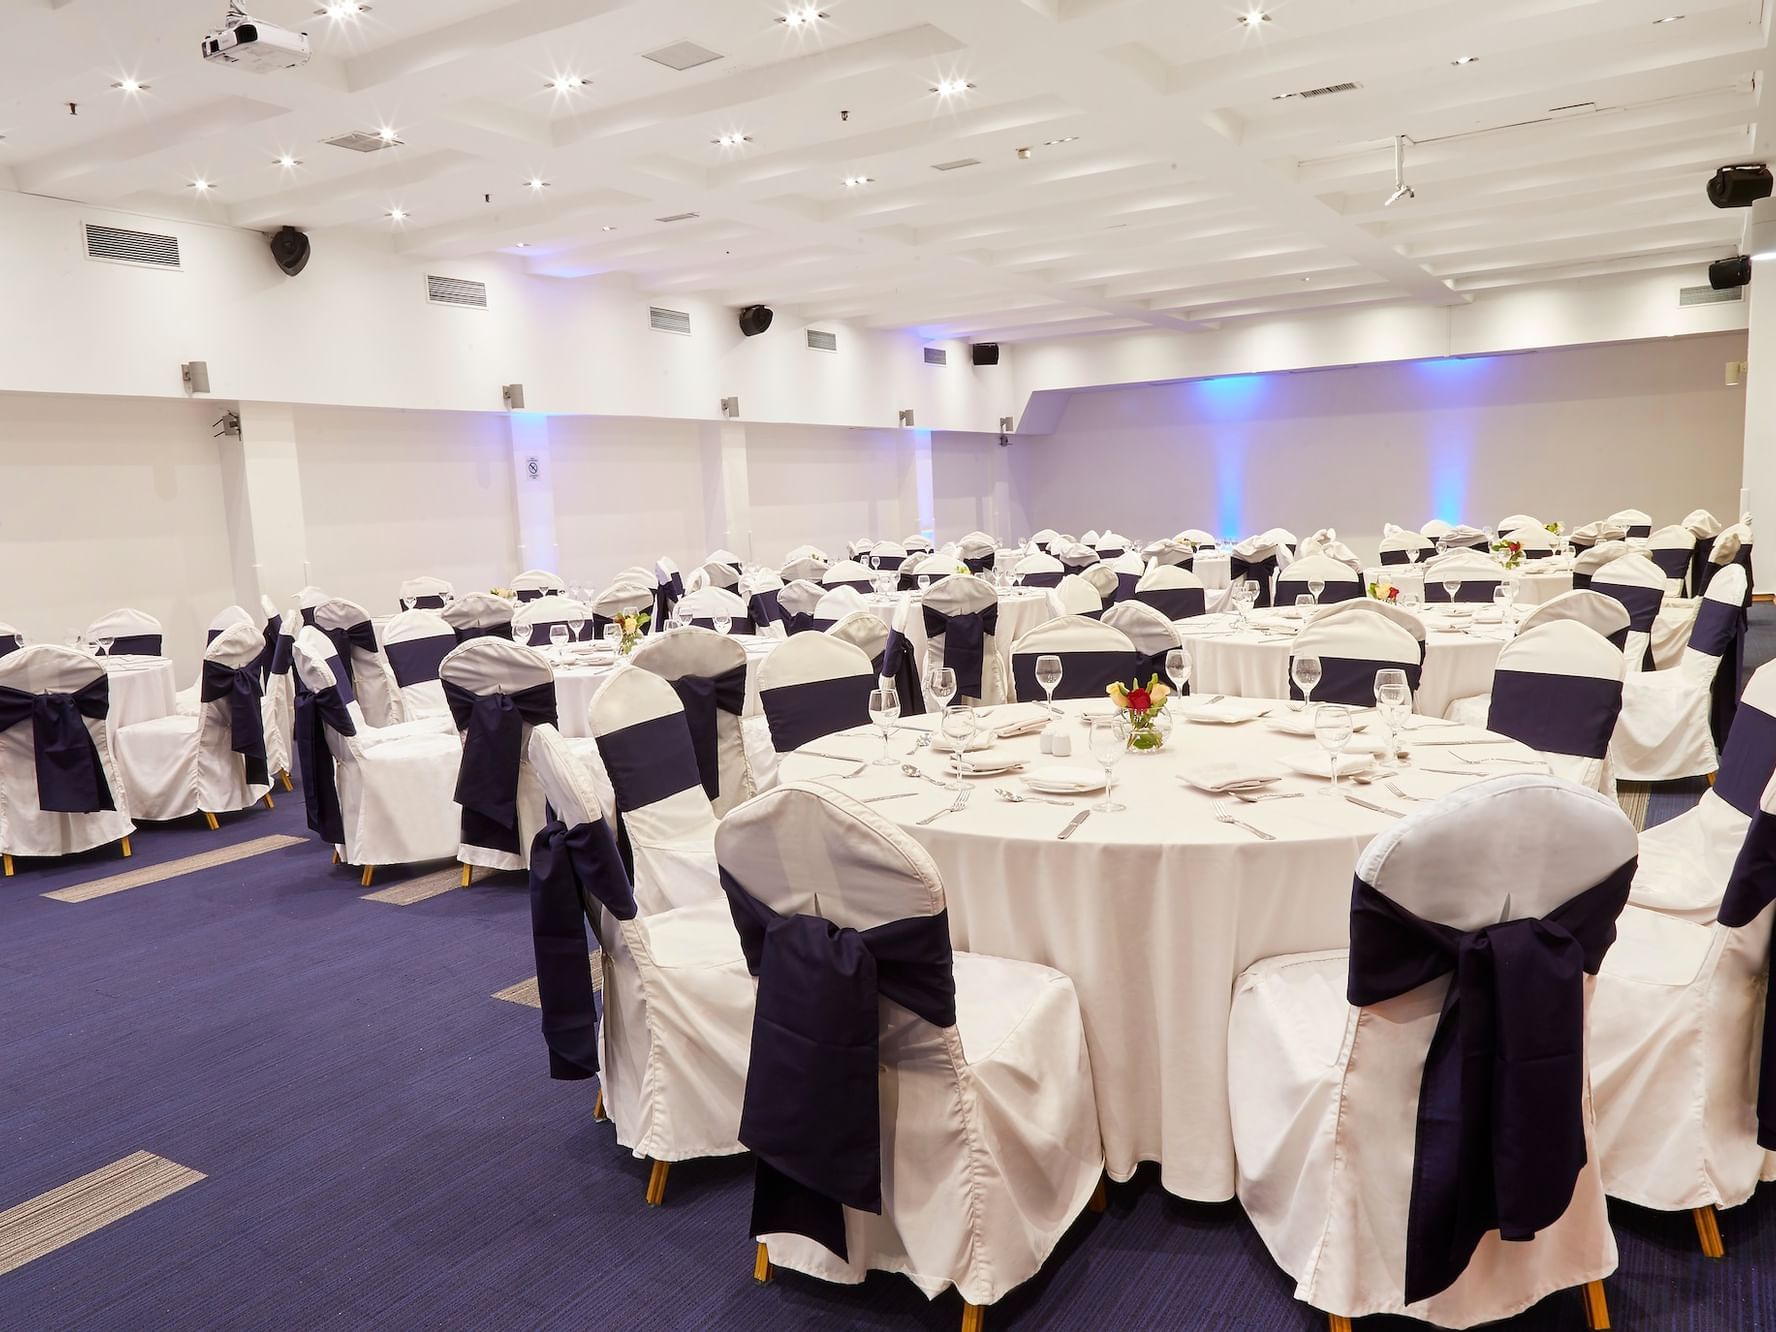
{"points": [[623, 597], [1536, 542], [1370, 606], [1518, 522], [835, 605], [949, 610], [306, 601], [1103, 581], [1603, 614], [1633, 522], [849, 573], [1074, 596], [708, 673], [813, 685], [1558, 689], [347, 624], [865, 630], [798, 601], [1406, 548], [133, 633], [1342, 582], [1173, 590], [1702, 525], [416, 643], [502, 805], [1351, 649], [1326, 1095], [989, 1143], [1588, 561], [935, 565], [1094, 655], [280, 688], [1173, 551], [860, 547], [1039, 570], [1639, 585], [188, 701], [479, 615], [426, 593], [532, 621], [534, 583], [887, 556], [1673, 549], [1436, 529], [1474, 576], [807, 568], [1152, 633], [702, 607], [1128, 568], [919, 541]]}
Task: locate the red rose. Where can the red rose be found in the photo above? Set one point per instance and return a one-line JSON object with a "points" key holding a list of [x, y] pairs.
{"points": [[1393, 594], [1139, 700]]}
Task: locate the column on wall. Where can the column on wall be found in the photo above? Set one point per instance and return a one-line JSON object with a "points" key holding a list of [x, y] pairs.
{"points": [[1759, 495], [534, 492], [262, 493], [727, 489], [924, 494]]}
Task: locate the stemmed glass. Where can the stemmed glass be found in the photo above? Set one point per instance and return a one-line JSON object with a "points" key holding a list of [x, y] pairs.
{"points": [[558, 636], [1501, 597], [1315, 586], [1305, 672], [1245, 596], [722, 623], [940, 682], [1393, 700], [576, 622], [1048, 675], [884, 711], [1412, 600], [1332, 728], [104, 642], [613, 636], [406, 603], [1178, 669], [958, 725], [1450, 587], [1305, 603], [1109, 742], [885, 585], [924, 582]]}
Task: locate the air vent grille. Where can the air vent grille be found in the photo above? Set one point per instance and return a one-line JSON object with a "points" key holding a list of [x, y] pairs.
{"points": [[1326, 91], [682, 55], [936, 356], [131, 247], [669, 321], [456, 291], [677, 217], [820, 340], [957, 165], [363, 141], [1708, 295]]}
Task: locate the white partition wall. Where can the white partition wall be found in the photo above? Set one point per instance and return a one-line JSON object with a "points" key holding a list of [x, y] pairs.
{"points": [[627, 491]]}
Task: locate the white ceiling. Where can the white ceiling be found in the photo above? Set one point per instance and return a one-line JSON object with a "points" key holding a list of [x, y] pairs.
{"points": [[1189, 192]]}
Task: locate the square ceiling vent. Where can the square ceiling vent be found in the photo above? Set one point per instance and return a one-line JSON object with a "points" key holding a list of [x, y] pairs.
{"points": [[682, 55], [364, 141]]}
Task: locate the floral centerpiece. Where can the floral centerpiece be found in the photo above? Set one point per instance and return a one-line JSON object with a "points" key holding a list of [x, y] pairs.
{"points": [[505, 592], [1384, 591], [1509, 552], [629, 624], [1142, 704], [1555, 528]]}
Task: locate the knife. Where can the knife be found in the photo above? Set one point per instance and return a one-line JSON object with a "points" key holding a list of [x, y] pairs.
{"points": [[1073, 824], [1379, 809]]}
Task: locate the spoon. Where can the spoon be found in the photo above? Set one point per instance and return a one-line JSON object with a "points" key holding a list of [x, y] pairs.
{"points": [[1006, 793], [912, 770]]}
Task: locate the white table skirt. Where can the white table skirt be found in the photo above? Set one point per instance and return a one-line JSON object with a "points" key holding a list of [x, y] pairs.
{"points": [[142, 689], [1021, 609], [1213, 567], [1535, 588], [575, 685], [1153, 912]]}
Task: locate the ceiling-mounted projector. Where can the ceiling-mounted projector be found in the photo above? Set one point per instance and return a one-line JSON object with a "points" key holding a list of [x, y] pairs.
{"points": [[261, 47]]}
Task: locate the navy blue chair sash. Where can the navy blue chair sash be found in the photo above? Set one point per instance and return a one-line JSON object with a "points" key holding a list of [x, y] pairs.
{"points": [[10, 643], [1747, 760], [1466, 589], [1351, 680], [800, 713], [812, 1112], [1125, 586], [279, 652], [246, 713], [855, 584], [1043, 578], [1330, 594], [525, 594], [70, 774], [501, 630], [416, 661], [738, 624], [1260, 572], [978, 564], [307, 616], [492, 727], [1719, 631], [1641, 603], [1398, 557], [568, 866], [1581, 581], [315, 712], [1501, 1132], [1175, 603], [135, 645], [965, 636], [1557, 714], [1673, 561], [649, 761], [360, 635], [1751, 888], [1083, 674], [666, 595], [762, 608], [900, 667], [800, 622], [703, 696], [1640, 530], [431, 601]]}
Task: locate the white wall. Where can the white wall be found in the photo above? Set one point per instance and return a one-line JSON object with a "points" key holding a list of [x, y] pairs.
{"points": [[1570, 434], [828, 487], [117, 503], [626, 492]]}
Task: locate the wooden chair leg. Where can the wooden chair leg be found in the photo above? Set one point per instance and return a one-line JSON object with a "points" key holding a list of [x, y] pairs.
{"points": [[656, 1193], [268, 803], [465, 882], [127, 851], [284, 777], [210, 819], [1596, 1308], [974, 1317], [1708, 1231], [1338, 1323], [335, 855], [368, 871], [1100, 1198], [598, 1115], [1711, 777], [761, 1266], [6, 864]]}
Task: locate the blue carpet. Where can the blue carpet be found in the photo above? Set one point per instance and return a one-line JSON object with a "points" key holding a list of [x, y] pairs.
{"points": [[384, 1149]]}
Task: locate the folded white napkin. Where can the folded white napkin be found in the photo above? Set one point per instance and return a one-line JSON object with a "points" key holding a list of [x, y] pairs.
{"points": [[1228, 709], [1225, 774], [1019, 719], [1302, 723]]}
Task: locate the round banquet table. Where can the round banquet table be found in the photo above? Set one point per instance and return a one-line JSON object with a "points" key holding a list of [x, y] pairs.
{"points": [[1153, 912], [580, 672], [1213, 567], [1535, 588], [1254, 662], [142, 689], [1021, 609]]}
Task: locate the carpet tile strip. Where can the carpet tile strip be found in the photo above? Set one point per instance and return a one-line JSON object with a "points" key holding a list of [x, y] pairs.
{"points": [[1634, 797], [525, 992], [409, 891], [79, 1207], [172, 869]]}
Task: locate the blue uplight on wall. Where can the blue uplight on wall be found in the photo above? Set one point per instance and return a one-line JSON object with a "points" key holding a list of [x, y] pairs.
{"points": [[1230, 402], [1450, 441], [1228, 397]]}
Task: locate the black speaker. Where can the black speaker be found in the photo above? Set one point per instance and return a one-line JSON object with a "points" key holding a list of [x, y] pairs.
{"points": [[755, 319], [1739, 186], [290, 249], [986, 353], [1725, 274]]}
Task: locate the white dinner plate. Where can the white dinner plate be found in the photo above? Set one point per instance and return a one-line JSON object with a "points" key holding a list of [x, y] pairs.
{"points": [[1063, 780]]}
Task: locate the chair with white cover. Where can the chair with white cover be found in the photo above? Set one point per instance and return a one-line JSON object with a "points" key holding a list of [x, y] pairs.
{"points": [[761, 592], [978, 551], [1150, 631], [1732, 546], [377, 795], [1110, 544], [1685, 861], [1588, 561], [670, 1054], [1399, 1108], [928, 567], [498, 693], [707, 672], [849, 573], [426, 593], [1406, 548], [1077, 557], [1128, 568], [1094, 656], [702, 607], [1074, 596], [1518, 522], [813, 685], [887, 556], [1044, 538], [1471, 575], [920, 543], [669, 586], [1436, 530], [532, 622], [1558, 689], [534, 583], [798, 602], [348, 626], [626, 596], [808, 568], [1351, 649], [1639, 585], [1172, 551], [189, 701], [835, 605], [133, 633], [1039, 570], [864, 630], [416, 643], [1256, 560], [1103, 581], [1666, 730], [306, 601], [278, 668], [1673, 549], [60, 789], [1386, 610], [1534, 543], [213, 762], [1685, 1088], [479, 615], [1704, 527], [1464, 537], [1172, 590], [1633, 522], [11, 640], [1602, 613], [927, 1112], [1195, 536], [1341, 582], [860, 547], [961, 617]]}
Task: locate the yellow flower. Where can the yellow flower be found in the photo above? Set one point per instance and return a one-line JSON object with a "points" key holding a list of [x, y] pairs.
{"points": [[1119, 694], [1160, 693]]}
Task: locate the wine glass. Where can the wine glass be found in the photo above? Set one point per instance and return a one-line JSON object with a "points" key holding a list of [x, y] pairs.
{"points": [[406, 603], [104, 643], [884, 585], [1450, 587], [884, 711], [1109, 742], [1315, 586], [940, 681], [576, 623], [1332, 728], [1393, 700], [613, 636], [1048, 675], [558, 636], [958, 725], [1412, 600], [722, 623], [1305, 603], [1178, 668], [1305, 672], [1245, 596], [924, 582]]}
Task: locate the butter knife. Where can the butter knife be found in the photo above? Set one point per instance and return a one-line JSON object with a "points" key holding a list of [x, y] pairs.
{"points": [[1073, 824]]}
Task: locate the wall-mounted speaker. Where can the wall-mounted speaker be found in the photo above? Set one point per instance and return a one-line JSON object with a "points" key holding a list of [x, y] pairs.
{"points": [[906, 417], [986, 353], [755, 319], [196, 375], [731, 408], [289, 247], [1739, 186], [1725, 274], [514, 396]]}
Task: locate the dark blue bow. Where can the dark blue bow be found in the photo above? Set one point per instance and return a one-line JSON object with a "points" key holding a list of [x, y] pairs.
{"points": [[899, 667], [279, 650], [360, 635], [702, 696], [812, 1110], [246, 713], [70, 774], [315, 713], [492, 727], [964, 635], [762, 609], [1259, 572], [1750, 889], [799, 622], [568, 866], [1501, 1130]]}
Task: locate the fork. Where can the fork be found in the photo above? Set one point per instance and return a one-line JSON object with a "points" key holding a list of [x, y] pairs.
{"points": [[1394, 788], [1499, 758], [959, 802], [1224, 814]]}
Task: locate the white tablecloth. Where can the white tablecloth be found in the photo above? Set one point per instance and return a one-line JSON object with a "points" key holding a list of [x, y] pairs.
{"points": [[576, 683], [142, 689], [1153, 912], [1213, 567], [1021, 609], [1535, 588]]}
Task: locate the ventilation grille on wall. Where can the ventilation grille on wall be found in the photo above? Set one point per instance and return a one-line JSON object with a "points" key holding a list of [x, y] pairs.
{"points": [[669, 321], [1708, 295], [820, 340], [1326, 91], [936, 356], [131, 247], [456, 291]]}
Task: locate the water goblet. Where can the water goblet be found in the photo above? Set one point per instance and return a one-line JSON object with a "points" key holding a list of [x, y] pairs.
{"points": [[613, 636], [958, 725], [1332, 728], [576, 623], [104, 644], [1178, 668], [722, 623], [1109, 742], [1305, 672], [924, 582], [406, 603], [1315, 586], [884, 711], [1305, 603], [940, 682], [558, 636], [1450, 587], [1393, 700], [1412, 600], [1048, 675]]}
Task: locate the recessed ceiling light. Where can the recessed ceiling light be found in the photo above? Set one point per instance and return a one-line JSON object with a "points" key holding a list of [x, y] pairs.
{"points": [[1464, 60], [522, 245], [951, 87], [130, 85], [386, 134], [1056, 143], [396, 214], [1253, 17], [341, 9], [852, 182], [286, 161], [732, 140], [607, 228], [201, 185], [1025, 154], [537, 183], [1669, 18], [803, 16], [565, 83]]}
